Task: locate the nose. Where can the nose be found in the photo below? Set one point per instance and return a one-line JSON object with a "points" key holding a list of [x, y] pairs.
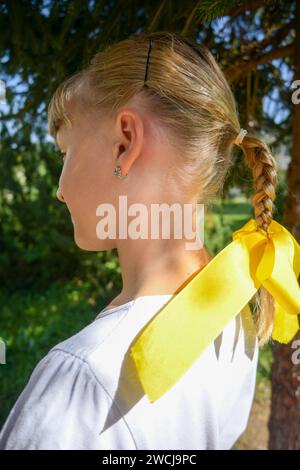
{"points": [[59, 195]]}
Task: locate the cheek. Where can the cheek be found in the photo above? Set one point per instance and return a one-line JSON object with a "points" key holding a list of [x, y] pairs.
{"points": [[85, 183]]}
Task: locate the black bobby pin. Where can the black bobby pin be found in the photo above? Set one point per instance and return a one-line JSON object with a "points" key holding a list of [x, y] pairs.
{"points": [[149, 50]]}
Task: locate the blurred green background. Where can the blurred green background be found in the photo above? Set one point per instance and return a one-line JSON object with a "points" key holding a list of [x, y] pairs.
{"points": [[49, 288]]}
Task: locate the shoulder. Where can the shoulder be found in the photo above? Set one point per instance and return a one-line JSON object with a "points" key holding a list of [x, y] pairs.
{"points": [[63, 406], [85, 342], [63, 388]]}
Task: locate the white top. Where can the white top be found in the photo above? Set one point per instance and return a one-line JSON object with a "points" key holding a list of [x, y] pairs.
{"points": [[85, 394]]}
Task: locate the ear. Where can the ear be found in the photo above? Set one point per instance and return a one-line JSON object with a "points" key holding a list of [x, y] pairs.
{"points": [[130, 138]]}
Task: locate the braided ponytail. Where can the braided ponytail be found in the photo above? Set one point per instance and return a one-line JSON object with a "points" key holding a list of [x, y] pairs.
{"points": [[264, 169]]}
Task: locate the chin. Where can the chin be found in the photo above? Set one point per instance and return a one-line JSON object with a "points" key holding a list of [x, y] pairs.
{"points": [[94, 244]]}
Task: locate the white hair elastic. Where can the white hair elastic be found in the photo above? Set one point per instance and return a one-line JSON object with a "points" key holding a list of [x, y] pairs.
{"points": [[240, 136]]}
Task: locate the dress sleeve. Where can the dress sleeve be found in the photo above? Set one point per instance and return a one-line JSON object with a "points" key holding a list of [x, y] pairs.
{"points": [[62, 407]]}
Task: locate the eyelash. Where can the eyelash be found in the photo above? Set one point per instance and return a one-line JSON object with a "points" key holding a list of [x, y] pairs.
{"points": [[61, 154]]}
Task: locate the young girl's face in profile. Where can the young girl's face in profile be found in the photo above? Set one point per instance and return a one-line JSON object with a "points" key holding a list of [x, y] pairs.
{"points": [[93, 147], [87, 177]]}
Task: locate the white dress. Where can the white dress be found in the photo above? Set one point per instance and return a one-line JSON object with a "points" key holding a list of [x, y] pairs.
{"points": [[85, 394]]}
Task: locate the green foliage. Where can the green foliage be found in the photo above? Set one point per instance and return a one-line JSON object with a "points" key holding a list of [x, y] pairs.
{"points": [[223, 218], [281, 192], [210, 9], [265, 362]]}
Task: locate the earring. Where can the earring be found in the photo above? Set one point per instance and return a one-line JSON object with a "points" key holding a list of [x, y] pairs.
{"points": [[118, 172]]}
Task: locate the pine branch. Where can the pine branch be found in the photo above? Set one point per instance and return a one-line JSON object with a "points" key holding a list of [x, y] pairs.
{"points": [[209, 10], [241, 68]]}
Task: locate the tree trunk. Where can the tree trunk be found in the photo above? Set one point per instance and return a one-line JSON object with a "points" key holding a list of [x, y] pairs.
{"points": [[284, 423]]}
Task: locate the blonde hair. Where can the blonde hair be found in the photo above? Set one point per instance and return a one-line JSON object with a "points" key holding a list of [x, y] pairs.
{"points": [[190, 96]]}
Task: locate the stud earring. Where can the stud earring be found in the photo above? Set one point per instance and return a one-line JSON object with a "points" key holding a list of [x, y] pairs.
{"points": [[118, 172]]}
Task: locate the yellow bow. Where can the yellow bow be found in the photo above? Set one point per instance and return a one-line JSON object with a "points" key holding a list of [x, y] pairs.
{"points": [[176, 336]]}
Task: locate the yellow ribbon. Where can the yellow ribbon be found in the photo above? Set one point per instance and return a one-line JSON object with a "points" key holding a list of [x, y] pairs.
{"points": [[176, 336]]}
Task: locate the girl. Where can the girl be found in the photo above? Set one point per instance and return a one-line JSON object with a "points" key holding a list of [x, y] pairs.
{"points": [[151, 118]]}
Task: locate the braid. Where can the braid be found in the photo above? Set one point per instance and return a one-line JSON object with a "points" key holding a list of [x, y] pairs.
{"points": [[264, 169]]}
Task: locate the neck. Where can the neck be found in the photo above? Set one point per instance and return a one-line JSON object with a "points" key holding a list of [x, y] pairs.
{"points": [[157, 267]]}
